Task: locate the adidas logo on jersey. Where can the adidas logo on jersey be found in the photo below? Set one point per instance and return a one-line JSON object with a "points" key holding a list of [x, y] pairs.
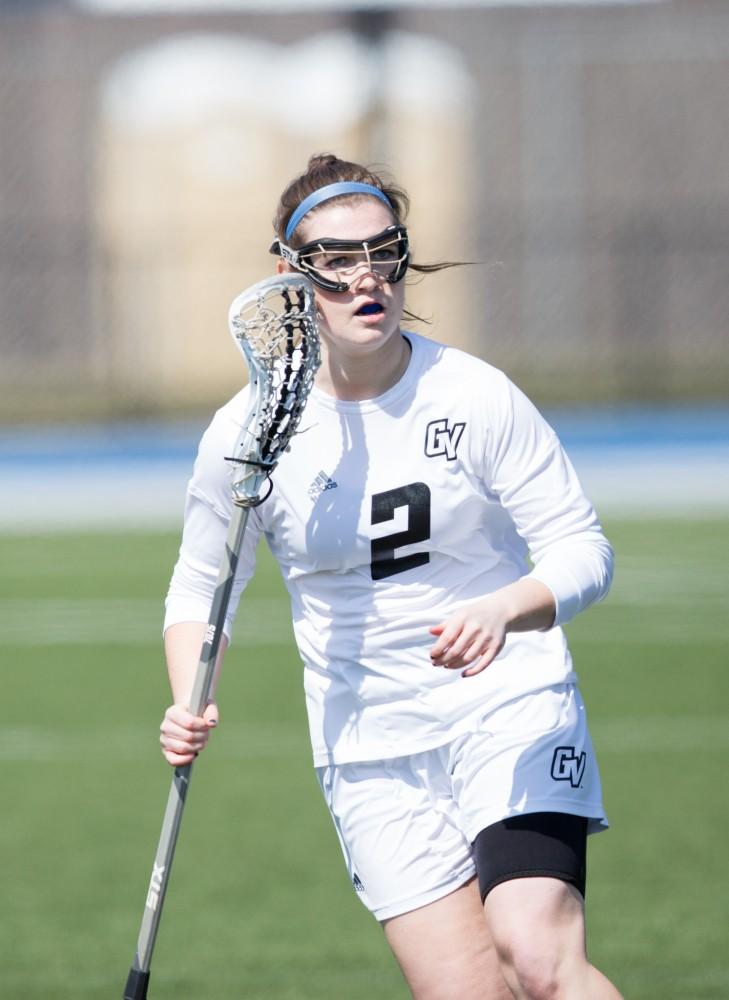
{"points": [[357, 883], [321, 483]]}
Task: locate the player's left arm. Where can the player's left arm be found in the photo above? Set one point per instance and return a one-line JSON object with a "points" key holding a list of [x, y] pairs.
{"points": [[474, 635], [572, 560]]}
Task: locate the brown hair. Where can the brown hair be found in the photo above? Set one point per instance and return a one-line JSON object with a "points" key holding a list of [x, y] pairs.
{"points": [[326, 168]]}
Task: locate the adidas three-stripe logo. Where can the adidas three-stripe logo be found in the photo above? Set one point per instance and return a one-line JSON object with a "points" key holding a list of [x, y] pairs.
{"points": [[321, 483]]}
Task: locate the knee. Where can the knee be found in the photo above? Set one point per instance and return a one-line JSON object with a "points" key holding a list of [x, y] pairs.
{"points": [[531, 972], [538, 929]]}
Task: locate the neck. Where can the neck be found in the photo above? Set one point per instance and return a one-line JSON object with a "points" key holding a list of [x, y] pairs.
{"points": [[354, 378]]}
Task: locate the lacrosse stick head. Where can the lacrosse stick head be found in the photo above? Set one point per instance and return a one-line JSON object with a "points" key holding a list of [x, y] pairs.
{"points": [[274, 325]]}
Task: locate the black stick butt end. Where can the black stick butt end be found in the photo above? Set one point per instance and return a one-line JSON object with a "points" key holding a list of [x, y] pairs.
{"points": [[137, 983]]}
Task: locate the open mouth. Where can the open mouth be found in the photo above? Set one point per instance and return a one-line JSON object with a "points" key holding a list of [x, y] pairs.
{"points": [[370, 309]]}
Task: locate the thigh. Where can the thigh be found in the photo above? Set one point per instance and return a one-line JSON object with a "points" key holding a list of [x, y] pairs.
{"points": [[445, 950], [398, 828]]}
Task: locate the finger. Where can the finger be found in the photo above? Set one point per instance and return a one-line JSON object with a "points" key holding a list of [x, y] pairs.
{"points": [[171, 729], [438, 647], [183, 717], [211, 715], [174, 731], [457, 654], [481, 663], [184, 744], [449, 634], [478, 647], [452, 655], [178, 759], [190, 740]]}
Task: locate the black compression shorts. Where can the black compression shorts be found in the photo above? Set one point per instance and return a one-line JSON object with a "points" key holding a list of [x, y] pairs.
{"points": [[536, 844]]}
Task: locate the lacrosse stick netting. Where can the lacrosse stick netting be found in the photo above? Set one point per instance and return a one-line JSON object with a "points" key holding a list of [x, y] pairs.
{"points": [[274, 324]]}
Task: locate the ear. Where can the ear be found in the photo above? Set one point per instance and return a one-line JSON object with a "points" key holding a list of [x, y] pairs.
{"points": [[282, 267]]}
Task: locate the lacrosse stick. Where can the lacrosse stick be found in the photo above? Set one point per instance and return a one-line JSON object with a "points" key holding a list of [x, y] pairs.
{"points": [[274, 325]]}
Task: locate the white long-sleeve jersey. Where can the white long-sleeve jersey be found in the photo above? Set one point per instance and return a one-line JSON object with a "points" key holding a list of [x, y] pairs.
{"points": [[386, 516]]}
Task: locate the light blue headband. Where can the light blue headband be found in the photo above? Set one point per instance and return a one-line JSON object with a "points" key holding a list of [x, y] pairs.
{"points": [[331, 191]]}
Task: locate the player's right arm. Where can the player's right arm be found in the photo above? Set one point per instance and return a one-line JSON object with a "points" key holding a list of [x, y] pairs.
{"points": [[192, 587], [182, 734]]}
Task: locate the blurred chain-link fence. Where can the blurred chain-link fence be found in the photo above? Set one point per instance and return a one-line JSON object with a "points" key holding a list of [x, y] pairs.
{"points": [[577, 156]]}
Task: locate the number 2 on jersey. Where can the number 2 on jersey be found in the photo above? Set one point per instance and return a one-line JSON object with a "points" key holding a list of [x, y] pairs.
{"points": [[416, 497]]}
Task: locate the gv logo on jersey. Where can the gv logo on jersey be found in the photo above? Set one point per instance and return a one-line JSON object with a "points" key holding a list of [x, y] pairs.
{"points": [[568, 765], [440, 439]]}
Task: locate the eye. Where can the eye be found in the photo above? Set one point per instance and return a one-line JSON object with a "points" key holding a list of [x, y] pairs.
{"points": [[336, 263], [388, 253], [326, 261]]}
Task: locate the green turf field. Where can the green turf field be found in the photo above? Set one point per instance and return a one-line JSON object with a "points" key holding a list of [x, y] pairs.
{"points": [[259, 905]]}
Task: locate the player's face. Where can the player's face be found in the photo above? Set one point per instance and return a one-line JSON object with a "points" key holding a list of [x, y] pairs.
{"points": [[366, 316]]}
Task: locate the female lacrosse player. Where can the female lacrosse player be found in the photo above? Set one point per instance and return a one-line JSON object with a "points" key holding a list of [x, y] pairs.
{"points": [[448, 732]]}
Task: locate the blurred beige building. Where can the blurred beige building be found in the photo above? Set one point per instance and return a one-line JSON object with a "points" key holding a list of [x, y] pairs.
{"points": [[189, 177], [577, 155]]}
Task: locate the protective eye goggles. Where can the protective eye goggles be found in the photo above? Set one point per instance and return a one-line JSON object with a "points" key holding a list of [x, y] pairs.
{"points": [[329, 262]]}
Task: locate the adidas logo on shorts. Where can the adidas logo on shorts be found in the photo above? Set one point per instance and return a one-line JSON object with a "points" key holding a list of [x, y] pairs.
{"points": [[357, 883]]}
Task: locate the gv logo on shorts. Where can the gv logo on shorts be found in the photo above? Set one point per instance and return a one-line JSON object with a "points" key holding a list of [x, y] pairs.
{"points": [[568, 765], [440, 439]]}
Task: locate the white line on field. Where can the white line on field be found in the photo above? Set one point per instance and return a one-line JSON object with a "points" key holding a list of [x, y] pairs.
{"points": [[250, 741], [661, 733], [671, 627], [49, 622], [665, 608]]}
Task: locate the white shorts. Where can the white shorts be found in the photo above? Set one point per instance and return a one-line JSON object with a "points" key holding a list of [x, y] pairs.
{"points": [[406, 824]]}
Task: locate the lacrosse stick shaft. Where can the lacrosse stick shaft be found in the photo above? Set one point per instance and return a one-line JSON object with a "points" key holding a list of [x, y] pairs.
{"points": [[274, 325], [138, 979]]}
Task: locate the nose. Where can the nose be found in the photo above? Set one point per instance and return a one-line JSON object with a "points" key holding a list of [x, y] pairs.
{"points": [[364, 276]]}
